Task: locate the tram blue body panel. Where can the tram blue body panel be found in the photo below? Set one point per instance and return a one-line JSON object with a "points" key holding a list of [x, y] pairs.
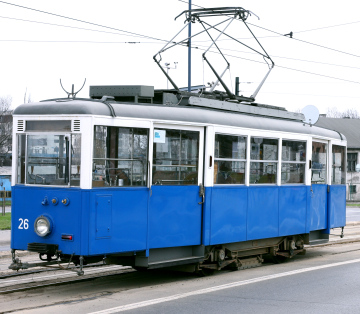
{"points": [[239, 213], [118, 220], [293, 203], [318, 209], [174, 216], [66, 219], [229, 207], [337, 206]]}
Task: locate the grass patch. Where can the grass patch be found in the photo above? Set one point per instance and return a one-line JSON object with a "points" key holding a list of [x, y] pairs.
{"points": [[352, 204], [5, 221]]}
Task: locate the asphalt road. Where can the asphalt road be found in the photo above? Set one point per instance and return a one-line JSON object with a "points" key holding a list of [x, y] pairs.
{"points": [[325, 280], [352, 214]]}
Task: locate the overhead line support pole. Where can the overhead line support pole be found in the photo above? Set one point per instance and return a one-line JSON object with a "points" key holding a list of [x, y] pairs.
{"points": [[189, 51]]}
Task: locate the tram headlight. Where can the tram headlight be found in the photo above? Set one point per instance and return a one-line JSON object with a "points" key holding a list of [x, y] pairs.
{"points": [[42, 226]]}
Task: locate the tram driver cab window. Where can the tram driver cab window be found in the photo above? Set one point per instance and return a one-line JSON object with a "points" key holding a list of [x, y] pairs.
{"points": [[120, 157]]}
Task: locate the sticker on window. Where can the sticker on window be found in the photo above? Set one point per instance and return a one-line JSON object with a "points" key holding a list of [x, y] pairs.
{"points": [[159, 136]]}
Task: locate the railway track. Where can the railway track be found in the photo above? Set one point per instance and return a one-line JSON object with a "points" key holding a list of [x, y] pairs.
{"points": [[53, 277]]}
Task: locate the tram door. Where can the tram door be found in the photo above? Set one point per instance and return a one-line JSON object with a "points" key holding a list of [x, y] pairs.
{"points": [[319, 182], [175, 207]]}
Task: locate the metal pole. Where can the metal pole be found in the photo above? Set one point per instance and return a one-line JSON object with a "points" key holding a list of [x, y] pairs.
{"points": [[3, 203], [237, 83], [189, 51]]}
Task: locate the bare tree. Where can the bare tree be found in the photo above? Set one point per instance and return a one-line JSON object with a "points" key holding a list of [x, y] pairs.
{"points": [[5, 130], [348, 113]]}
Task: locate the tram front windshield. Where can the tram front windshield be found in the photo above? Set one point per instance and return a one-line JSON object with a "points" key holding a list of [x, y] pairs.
{"points": [[49, 159]]}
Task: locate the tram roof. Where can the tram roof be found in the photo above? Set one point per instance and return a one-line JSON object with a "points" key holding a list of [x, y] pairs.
{"points": [[170, 113]]}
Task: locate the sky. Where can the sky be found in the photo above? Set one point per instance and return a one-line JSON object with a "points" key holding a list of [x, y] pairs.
{"points": [[319, 66]]}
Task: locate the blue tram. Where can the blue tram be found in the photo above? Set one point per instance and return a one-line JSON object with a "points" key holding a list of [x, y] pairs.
{"points": [[167, 178], [147, 178]]}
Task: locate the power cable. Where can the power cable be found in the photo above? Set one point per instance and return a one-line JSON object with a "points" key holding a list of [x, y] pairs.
{"points": [[304, 41], [67, 26], [81, 21]]}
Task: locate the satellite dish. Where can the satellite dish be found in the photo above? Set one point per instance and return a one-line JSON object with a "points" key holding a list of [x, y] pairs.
{"points": [[311, 114]]}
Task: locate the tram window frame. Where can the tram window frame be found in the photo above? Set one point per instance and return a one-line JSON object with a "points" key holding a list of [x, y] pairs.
{"points": [[116, 165], [43, 160], [293, 162], [263, 169], [338, 168], [174, 166], [225, 161], [319, 170]]}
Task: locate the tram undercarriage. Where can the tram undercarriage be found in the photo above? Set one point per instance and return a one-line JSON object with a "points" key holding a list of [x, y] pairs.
{"points": [[203, 260]]}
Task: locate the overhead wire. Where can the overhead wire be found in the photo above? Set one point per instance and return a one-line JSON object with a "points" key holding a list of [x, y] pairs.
{"points": [[304, 41], [81, 21], [133, 42], [157, 39], [68, 26]]}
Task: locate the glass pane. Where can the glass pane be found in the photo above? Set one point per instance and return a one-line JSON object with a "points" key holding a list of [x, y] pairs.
{"points": [[229, 172], [351, 162], [292, 173], [338, 174], [75, 160], [293, 151], [51, 125], [263, 172], [21, 159], [228, 146], [175, 157], [48, 159], [264, 148], [319, 163], [120, 157]]}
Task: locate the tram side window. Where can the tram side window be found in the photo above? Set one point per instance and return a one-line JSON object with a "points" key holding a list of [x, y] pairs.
{"points": [[319, 163], [264, 160], [293, 162], [120, 156], [21, 153], [230, 159], [175, 157], [338, 174]]}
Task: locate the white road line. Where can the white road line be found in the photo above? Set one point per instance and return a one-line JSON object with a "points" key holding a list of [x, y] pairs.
{"points": [[218, 288]]}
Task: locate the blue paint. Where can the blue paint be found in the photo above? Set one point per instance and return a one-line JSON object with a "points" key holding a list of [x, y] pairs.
{"points": [[318, 207], [263, 212], [125, 215], [337, 206], [27, 204], [128, 219], [292, 210], [228, 214], [174, 216]]}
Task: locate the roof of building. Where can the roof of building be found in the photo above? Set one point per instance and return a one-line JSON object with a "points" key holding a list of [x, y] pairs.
{"points": [[349, 127]]}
